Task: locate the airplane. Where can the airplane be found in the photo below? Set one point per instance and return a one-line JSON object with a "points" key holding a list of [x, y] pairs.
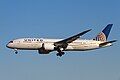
{"points": [[73, 43]]}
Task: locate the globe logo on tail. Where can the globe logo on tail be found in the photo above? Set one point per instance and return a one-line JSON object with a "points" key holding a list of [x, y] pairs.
{"points": [[101, 37]]}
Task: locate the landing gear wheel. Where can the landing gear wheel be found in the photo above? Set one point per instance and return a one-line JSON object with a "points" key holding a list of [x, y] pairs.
{"points": [[60, 54], [16, 52]]}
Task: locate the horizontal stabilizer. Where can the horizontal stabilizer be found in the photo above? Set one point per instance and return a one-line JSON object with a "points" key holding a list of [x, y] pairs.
{"points": [[105, 43]]}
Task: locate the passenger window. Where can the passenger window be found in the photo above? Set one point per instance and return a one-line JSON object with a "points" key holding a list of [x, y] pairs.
{"points": [[41, 40], [29, 39], [25, 39], [37, 39]]}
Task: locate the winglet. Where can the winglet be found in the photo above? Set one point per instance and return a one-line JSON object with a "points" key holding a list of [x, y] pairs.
{"points": [[82, 33]]}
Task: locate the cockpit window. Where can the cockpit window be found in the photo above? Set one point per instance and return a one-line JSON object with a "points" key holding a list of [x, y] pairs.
{"points": [[11, 42]]}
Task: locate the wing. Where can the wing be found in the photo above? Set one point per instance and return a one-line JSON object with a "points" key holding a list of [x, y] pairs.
{"points": [[64, 43]]}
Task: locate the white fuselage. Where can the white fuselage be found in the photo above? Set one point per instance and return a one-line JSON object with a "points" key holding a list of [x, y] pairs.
{"points": [[36, 43]]}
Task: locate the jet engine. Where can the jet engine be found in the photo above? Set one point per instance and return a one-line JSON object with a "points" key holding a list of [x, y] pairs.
{"points": [[46, 48]]}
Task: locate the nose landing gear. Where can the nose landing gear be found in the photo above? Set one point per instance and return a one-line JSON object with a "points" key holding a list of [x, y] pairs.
{"points": [[15, 51]]}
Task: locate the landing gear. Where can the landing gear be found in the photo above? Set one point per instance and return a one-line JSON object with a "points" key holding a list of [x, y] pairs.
{"points": [[15, 50], [60, 54]]}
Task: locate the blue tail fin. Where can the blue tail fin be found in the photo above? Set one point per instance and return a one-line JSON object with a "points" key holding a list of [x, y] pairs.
{"points": [[102, 36]]}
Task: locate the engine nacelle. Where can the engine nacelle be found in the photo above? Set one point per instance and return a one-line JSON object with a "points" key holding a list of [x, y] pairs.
{"points": [[48, 46]]}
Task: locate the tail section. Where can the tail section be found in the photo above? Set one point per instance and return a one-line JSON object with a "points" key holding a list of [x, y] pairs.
{"points": [[102, 36], [108, 43]]}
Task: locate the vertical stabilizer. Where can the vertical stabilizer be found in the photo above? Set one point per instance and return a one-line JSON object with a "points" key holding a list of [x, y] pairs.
{"points": [[102, 36]]}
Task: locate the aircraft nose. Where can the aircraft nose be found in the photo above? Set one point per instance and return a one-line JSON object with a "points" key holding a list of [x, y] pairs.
{"points": [[7, 45]]}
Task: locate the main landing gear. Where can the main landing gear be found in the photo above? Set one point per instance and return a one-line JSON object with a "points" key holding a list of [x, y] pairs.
{"points": [[60, 52]]}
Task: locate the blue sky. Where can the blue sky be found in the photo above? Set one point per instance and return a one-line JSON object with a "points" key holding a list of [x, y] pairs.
{"points": [[58, 19]]}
